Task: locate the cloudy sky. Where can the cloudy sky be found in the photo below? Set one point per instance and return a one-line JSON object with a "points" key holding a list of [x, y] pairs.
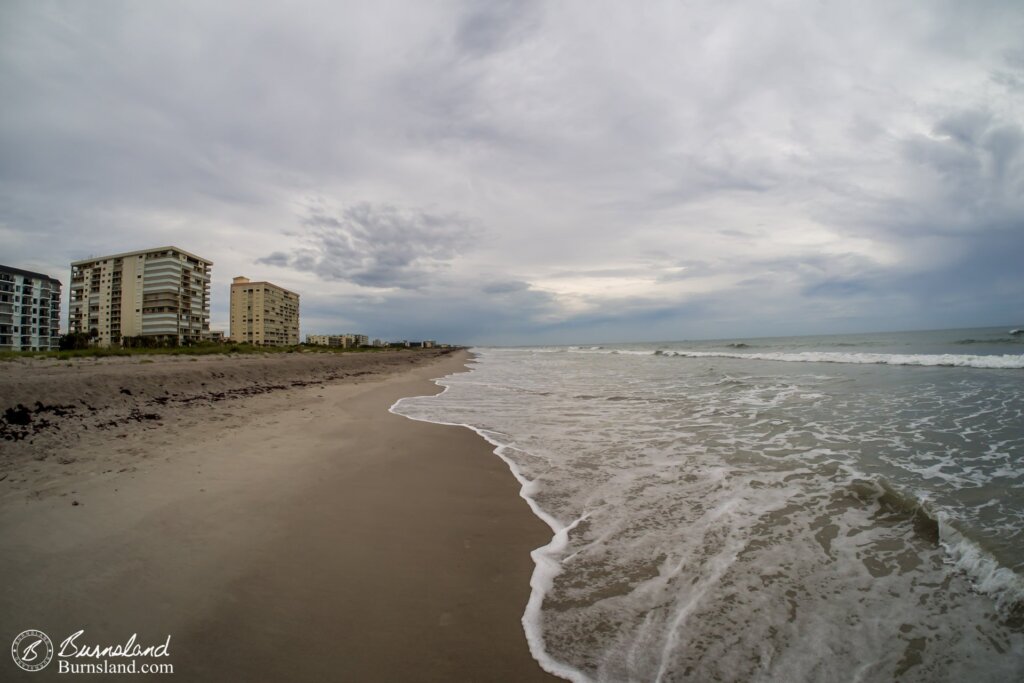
{"points": [[534, 172]]}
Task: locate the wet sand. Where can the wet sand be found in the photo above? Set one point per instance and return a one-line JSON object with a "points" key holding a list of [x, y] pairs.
{"points": [[298, 533]]}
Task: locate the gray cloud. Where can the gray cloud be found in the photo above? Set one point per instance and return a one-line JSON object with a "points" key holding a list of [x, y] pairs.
{"points": [[971, 180], [694, 169], [376, 245]]}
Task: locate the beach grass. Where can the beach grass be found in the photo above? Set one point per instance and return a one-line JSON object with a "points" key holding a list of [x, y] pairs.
{"points": [[204, 349]]}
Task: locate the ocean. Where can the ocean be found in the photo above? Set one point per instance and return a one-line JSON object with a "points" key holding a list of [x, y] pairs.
{"points": [[835, 508]]}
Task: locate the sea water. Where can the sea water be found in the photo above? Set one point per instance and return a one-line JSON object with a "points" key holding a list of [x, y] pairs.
{"points": [[803, 509]]}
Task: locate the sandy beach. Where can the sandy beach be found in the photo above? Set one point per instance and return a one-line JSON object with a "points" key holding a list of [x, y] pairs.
{"points": [[267, 513]]}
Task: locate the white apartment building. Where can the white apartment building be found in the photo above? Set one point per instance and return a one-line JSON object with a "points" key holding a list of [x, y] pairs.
{"points": [[29, 311], [162, 293]]}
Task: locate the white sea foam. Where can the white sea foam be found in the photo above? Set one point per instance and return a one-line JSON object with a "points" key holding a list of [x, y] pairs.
{"points": [[1004, 585], [685, 501], [1004, 361]]}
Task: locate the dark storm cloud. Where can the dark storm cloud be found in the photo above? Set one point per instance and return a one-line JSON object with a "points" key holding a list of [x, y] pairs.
{"points": [[977, 155], [958, 223], [839, 288], [376, 245], [1010, 74], [490, 26], [446, 313], [504, 287]]}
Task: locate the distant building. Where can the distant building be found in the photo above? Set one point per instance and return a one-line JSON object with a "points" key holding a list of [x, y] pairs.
{"points": [[29, 310], [263, 313], [343, 341], [216, 336], [162, 293]]}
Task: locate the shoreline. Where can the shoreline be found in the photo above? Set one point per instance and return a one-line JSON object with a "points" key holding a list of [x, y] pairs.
{"points": [[310, 535], [545, 567]]}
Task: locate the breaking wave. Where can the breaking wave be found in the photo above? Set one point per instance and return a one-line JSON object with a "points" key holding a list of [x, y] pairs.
{"points": [[1002, 362]]}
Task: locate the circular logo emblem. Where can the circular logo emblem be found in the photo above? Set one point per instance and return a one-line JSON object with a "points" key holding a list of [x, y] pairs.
{"points": [[32, 650]]}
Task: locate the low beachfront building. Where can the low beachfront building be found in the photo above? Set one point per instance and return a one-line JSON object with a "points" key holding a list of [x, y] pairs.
{"points": [[29, 310], [161, 294], [333, 340], [263, 313], [341, 341]]}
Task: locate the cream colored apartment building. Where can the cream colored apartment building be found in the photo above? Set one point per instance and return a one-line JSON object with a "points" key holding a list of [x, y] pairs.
{"points": [[263, 313], [162, 292], [334, 340], [343, 341]]}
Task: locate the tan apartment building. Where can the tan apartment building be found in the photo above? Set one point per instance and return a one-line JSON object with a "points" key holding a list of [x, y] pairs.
{"points": [[263, 313], [162, 292]]}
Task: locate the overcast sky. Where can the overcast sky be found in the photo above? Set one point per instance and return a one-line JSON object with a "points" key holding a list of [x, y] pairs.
{"points": [[534, 172]]}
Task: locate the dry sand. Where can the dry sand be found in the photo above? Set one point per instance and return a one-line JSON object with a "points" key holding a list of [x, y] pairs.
{"points": [[296, 533]]}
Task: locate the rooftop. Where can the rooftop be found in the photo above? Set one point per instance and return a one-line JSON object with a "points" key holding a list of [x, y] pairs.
{"points": [[138, 252], [28, 273], [242, 281]]}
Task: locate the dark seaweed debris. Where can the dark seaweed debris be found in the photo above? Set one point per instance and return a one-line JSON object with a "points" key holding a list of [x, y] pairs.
{"points": [[21, 422]]}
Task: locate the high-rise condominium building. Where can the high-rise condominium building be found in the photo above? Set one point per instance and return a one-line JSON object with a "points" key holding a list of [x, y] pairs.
{"points": [[263, 313], [29, 310], [162, 293]]}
